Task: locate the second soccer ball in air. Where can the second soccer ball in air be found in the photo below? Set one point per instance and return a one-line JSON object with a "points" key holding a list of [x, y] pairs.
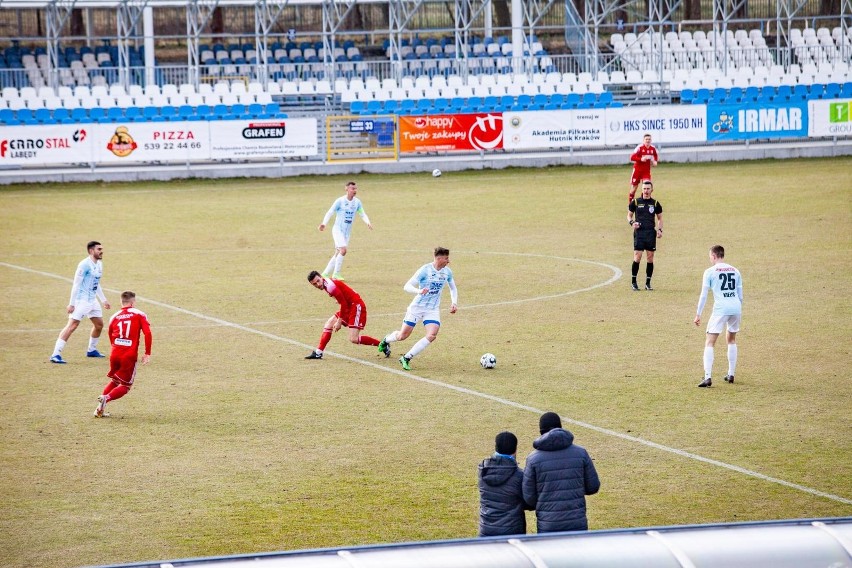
{"points": [[488, 361], [436, 173]]}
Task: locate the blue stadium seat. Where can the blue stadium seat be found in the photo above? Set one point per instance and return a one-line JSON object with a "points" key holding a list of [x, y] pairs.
{"points": [[150, 113], [79, 115], [589, 99], [441, 104], [186, 112], [273, 110], [424, 105], [767, 94], [846, 90], [98, 114], [783, 93], [702, 96], [373, 107], [571, 101], [719, 96], [832, 91], [735, 95], [134, 114], [356, 107], [605, 98], [256, 110], [239, 111], [220, 112], [800, 92], [524, 101], [540, 100], [62, 116], [203, 112], [505, 102], [169, 113], [7, 115], [475, 103], [751, 94], [407, 106], [816, 91], [390, 107], [456, 104]]}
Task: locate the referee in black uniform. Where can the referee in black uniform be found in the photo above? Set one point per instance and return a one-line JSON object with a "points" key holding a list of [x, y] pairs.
{"points": [[640, 215]]}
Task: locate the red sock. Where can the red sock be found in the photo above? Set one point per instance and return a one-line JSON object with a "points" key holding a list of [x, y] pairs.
{"points": [[118, 392], [367, 340], [325, 338]]}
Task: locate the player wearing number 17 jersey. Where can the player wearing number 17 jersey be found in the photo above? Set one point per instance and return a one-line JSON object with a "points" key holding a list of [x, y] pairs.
{"points": [[727, 285], [125, 328]]}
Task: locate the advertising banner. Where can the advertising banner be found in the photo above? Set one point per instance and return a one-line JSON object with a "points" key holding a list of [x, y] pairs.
{"points": [[753, 121], [830, 118], [553, 129], [46, 145], [450, 132], [665, 124], [152, 142], [270, 138]]}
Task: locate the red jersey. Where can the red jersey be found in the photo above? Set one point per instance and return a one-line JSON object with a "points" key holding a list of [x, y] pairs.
{"points": [[642, 168], [124, 330], [345, 296]]}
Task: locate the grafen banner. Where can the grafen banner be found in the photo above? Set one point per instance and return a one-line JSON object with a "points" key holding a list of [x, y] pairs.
{"points": [[665, 124], [46, 145], [830, 118], [757, 121], [553, 129], [450, 132], [268, 138], [151, 142]]}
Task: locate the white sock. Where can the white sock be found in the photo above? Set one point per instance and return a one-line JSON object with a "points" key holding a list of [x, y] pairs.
{"points": [[330, 266], [391, 337], [57, 349], [338, 262], [417, 348], [93, 343], [732, 359], [708, 361]]}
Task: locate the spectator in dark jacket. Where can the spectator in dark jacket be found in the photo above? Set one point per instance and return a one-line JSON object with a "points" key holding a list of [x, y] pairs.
{"points": [[557, 478], [501, 504]]}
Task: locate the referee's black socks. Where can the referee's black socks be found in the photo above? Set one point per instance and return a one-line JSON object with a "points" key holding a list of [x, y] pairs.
{"points": [[649, 271], [634, 270]]}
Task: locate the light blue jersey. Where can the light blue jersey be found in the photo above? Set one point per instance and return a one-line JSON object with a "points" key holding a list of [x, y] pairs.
{"points": [[87, 282], [345, 211], [434, 280], [727, 285]]}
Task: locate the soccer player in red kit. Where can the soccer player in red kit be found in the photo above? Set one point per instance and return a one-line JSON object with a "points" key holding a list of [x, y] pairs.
{"points": [[352, 314], [643, 157], [125, 327]]}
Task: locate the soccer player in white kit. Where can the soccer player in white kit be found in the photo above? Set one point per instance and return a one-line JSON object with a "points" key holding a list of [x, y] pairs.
{"points": [[727, 285], [85, 294], [427, 283], [345, 207]]}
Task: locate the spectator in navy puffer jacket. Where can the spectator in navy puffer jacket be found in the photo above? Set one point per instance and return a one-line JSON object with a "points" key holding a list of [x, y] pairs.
{"points": [[501, 503], [557, 478]]}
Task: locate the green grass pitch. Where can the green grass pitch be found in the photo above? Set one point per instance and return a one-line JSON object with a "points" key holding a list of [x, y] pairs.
{"points": [[230, 442]]}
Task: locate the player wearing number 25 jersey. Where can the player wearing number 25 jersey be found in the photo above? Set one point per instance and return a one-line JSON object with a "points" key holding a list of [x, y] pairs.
{"points": [[727, 285], [125, 329]]}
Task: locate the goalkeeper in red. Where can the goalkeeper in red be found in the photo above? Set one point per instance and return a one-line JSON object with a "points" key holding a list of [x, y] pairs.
{"points": [[352, 314], [125, 328]]}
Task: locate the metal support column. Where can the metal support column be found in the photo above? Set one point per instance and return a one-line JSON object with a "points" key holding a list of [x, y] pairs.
{"points": [[58, 13], [400, 13], [786, 11], [128, 14], [466, 13], [198, 14], [266, 14], [334, 13], [723, 12], [534, 12]]}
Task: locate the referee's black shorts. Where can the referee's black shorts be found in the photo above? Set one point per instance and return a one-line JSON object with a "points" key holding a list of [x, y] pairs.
{"points": [[645, 239]]}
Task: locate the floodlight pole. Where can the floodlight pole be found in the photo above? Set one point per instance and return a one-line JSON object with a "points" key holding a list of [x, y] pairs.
{"points": [[58, 12], [198, 14]]}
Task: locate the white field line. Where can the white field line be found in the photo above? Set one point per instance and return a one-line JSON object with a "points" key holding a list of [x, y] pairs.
{"points": [[410, 376]]}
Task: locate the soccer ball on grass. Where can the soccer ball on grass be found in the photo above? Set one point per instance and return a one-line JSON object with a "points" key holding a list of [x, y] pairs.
{"points": [[488, 361], [436, 173]]}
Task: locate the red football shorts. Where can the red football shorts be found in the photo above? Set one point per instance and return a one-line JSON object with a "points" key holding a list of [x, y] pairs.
{"points": [[122, 370], [357, 316]]}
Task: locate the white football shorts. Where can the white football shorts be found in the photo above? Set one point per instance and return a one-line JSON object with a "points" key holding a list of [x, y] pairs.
{"points": [[84, 309], [717, 324], [426, 315], [341, 237]]}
